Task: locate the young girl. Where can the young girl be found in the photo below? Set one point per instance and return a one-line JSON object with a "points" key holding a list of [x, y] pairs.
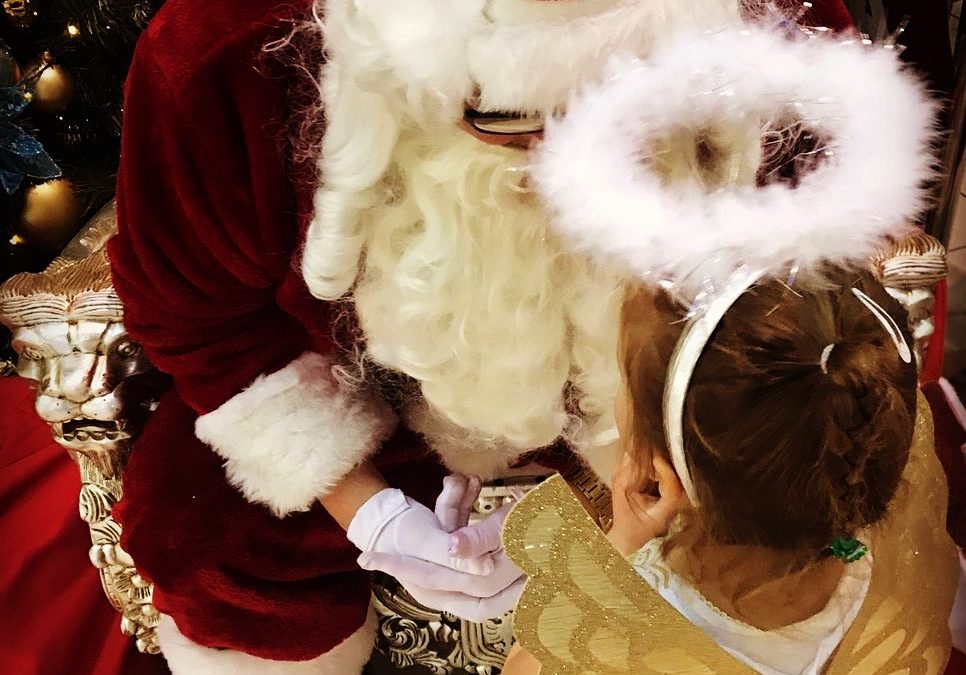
{"points": [[797, 427]]}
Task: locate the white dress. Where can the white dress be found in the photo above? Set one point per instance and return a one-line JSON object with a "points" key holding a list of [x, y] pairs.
{"points": [[800, 648]]}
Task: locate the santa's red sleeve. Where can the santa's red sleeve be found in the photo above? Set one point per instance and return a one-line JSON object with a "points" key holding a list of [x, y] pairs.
{"points": [[203, 261], [249, 571]]}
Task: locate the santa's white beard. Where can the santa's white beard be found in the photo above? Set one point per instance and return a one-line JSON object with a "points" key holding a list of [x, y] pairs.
{"points": [[464, 289], [456, 280]]}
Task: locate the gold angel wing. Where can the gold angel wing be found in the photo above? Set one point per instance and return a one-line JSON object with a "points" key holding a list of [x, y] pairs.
{"points": [[585, 611], [903, 625]]}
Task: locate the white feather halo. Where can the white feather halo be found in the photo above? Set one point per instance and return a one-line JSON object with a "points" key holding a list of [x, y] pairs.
{"points": [[874, 117]]}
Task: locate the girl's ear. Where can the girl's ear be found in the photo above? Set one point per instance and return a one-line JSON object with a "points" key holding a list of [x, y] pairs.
{"points": [[669, 489], [644, 502]]}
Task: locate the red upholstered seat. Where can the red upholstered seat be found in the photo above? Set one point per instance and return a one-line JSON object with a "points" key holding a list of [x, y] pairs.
{"points": [[55, 617]]}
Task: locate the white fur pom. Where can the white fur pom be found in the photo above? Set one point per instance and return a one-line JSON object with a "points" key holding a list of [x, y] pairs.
{"points": [[294, 434], [874, 118]]}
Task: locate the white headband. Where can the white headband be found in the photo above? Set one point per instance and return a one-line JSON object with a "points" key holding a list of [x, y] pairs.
{"points": [[695, 338], [690, 345]]}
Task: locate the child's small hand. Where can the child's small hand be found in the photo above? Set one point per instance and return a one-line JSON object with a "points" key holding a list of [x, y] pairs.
{"points": [[455, 502], [638, 515]]}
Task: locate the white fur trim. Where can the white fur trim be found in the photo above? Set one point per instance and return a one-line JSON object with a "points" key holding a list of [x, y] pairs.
{"points": [[185, 657], [292, 435], [875, 115]]}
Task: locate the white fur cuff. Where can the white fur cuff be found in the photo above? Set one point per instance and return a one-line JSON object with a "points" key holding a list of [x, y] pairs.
{"points": [[292, 435], [185, 657]]}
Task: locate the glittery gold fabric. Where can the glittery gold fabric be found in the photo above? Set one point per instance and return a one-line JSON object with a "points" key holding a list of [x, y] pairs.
{"points": [[903, 626], [585, 610]]}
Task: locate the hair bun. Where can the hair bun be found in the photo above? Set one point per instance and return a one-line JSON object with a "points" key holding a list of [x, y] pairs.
{"points": [[850, 364]]}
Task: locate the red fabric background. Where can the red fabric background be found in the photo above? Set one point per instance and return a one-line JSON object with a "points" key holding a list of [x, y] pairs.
{"points": [[55, 617], [932, 367]]}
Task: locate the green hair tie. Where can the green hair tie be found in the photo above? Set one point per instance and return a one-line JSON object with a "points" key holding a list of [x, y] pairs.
{"points": [[847, 549]]}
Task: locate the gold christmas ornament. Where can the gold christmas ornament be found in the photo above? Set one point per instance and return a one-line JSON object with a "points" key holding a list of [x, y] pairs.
{"points": [[51, 215], [53, 89], [21, 13]]}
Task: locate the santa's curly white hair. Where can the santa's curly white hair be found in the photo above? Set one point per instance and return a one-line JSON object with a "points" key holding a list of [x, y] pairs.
{"points": [[458, 280]]}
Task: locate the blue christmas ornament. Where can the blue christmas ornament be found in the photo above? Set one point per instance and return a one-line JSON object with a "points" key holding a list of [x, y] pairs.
{"points": [[21, 155]]}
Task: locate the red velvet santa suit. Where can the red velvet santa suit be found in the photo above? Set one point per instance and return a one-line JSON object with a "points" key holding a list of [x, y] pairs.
{"points": [[207, 262]]}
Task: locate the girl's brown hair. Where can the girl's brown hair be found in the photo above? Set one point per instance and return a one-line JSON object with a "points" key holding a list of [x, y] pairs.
{"points": [[782, 453]]}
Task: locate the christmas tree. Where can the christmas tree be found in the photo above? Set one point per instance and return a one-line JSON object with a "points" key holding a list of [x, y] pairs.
{"points": [[62, 69]]}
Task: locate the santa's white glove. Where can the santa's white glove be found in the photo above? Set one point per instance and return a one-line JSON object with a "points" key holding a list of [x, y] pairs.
{"points": [[463, 572]]}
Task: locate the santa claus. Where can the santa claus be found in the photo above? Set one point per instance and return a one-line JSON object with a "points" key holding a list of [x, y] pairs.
{"points": [[337, 339]]}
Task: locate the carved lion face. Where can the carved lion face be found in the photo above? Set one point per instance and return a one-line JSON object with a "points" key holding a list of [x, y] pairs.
{"points": [[94, 386]]}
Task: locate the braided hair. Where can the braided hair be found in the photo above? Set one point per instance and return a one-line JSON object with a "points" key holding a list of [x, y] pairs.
{"points": [[800, 413]]}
